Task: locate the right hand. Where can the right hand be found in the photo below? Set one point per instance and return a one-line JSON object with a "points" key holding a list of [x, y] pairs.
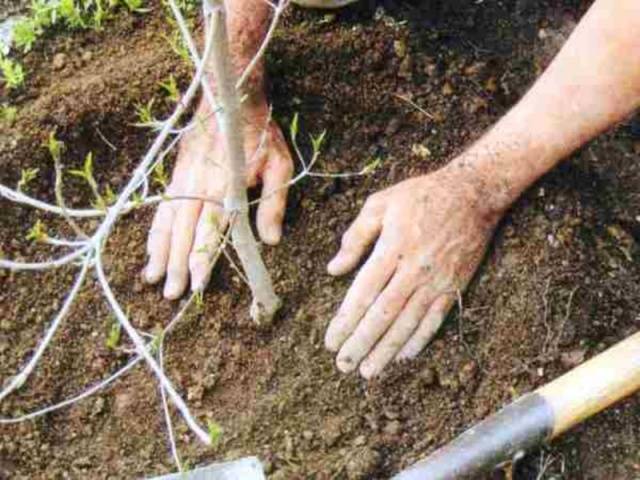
{"points": [[430, 234], [185, 233]]}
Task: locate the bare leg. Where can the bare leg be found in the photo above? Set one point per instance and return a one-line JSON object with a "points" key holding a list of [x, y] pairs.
{"points": [[185, 233]]}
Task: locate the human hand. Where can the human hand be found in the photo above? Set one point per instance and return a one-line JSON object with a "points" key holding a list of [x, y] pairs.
{"points": [[185, 233], [431, 235]]}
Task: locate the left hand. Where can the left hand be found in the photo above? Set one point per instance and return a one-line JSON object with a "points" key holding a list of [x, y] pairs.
{"points": [[432, 232]]}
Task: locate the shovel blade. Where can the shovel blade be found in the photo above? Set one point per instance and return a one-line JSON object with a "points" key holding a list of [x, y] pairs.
{"points": [[248, 468]]}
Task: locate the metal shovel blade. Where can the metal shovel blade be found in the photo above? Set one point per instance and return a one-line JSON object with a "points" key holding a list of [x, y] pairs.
{"points": [[248, 468]]}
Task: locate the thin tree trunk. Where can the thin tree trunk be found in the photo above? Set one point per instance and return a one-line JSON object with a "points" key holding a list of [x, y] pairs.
{"points": [[229, 116]]}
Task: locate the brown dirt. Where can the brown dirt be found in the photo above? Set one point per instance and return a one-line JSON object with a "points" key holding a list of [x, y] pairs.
{"points": [[275, 391]]}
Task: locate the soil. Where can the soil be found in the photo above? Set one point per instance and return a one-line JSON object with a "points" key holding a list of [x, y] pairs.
{"points": [[560, 283]]}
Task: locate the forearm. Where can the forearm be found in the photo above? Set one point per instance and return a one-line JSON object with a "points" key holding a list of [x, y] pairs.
{"points": [[593, 83], [247, 23]]}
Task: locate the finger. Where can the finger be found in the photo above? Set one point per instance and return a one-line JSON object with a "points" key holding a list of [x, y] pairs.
{"points": [[184, 225], [357, 239], [398, 334], [159, 242], [211, 226], [275, 179], [428, 327], [376, 321], [371, 279]]}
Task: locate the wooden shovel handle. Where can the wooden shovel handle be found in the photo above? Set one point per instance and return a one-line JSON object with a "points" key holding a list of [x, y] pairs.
{"points": [[594, 385]]}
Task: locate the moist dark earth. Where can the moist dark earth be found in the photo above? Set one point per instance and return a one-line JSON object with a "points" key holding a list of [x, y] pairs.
{"points": [[560, 283]]}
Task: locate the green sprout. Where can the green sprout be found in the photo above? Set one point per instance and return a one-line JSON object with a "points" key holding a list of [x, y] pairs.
{"points": [[12, 72], [87, 174], [317, 141], [144, 114], [99, 15], [215, 432], [110, 196], [171, 88], [70, 13], [26, 176], [199, 298], [54, 146], [154, 345], [159, 175], [37, 233], [25, 33], [113, 337], [371, 166], [178, 46], [8, 114], [135, 6], [293, 127], [43, 12], [136, 198]]}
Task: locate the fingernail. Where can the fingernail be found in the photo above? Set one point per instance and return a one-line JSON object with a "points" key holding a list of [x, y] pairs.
{"points": [[172, 290], [333, 265], [345, 364], [199, 282], [367, 370], [272, 235], [151, 274]]}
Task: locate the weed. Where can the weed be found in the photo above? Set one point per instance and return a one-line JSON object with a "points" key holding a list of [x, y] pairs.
{"points": [[54, 146], [26, 176], [171, 88], [160, 175], [8, 114], [37, 233], [178, 45], [371, 166], [215, 432], [135, 6], [87, 174], [12, 73], [113, 337], [145, 115], [25, 33]]}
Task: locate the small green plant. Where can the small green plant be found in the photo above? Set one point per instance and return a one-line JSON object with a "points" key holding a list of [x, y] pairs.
{"points": [[71, 13], [371, 166], [171, 88], [26, 176], [54, 146], [317, 141], [215, 432], [135, 6], [8, 114], [145, 115], [178, 46], [137, 199], [199, 298], [160, 176], [25, 33], [113, 337], [87, 174], [293, 127], [12, 72], [37, 233], [110, 196], [74, 14]]}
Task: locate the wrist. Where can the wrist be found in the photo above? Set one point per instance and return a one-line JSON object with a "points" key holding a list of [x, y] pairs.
{"points": [[494, 177]]}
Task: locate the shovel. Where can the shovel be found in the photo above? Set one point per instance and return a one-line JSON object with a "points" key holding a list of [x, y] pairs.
{"points": [[536, 417], [248, 468]]}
